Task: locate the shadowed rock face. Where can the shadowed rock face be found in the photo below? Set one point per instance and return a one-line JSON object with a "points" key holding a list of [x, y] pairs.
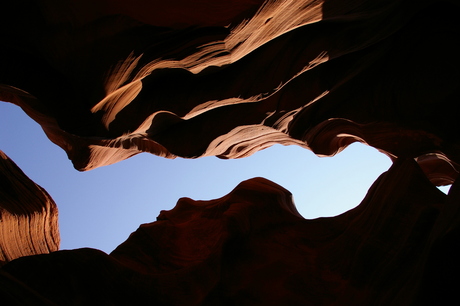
{"points": [[251, 247], [107, 80]]}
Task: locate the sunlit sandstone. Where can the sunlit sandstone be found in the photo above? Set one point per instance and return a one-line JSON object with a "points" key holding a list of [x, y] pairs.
{"points": [[28, 215], [107, 80]]}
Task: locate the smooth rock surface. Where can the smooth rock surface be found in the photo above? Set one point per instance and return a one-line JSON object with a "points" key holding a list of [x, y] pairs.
{"points": [[251, 247]]}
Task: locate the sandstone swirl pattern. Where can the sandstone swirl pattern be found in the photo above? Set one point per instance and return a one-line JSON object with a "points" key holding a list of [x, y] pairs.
{"points": [[28, 215], [319, 74], [109, 79]]}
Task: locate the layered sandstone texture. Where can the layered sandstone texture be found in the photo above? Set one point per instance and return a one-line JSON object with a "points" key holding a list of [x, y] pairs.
{"points": [[109, 79], [28, 215]]}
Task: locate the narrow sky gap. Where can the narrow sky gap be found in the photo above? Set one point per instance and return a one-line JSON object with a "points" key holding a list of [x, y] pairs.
{"points": [[101, 207]]}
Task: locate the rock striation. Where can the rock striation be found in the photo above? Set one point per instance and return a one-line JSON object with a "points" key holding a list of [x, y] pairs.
{"points": [[109, 79], [320, 74], [28, 215]]}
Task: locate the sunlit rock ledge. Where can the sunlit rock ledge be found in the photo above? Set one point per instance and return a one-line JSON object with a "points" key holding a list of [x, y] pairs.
{"points": [[320, 74], [28, 215]]}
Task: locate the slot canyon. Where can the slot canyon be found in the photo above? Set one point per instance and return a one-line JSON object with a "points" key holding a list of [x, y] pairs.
{"points": [[107, 80]]}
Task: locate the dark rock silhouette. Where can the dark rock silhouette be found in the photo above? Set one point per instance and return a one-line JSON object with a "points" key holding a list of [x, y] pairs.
{"points": [[107, 80], [251, 247]]}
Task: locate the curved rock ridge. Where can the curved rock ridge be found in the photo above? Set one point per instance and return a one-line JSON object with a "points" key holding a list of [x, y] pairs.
{"points": [[28, 215], [109, 80], [252, 247]]}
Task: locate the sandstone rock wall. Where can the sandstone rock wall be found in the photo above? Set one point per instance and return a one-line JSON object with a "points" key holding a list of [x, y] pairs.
{"points": [[319, 74], [28, 215], [107, 80], [252, 247]]}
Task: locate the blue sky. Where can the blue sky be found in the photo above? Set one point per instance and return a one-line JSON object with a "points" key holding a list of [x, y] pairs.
{"points": [[101, 207]]}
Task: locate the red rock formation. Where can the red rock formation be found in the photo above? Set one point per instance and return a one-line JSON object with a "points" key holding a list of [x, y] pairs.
{"points": [[28, 215], [320, 74], [107, 80], [251, 247]]}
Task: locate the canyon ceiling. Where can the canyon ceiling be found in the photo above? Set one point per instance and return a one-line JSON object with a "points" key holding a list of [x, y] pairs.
{"points": [[109, 79]]}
